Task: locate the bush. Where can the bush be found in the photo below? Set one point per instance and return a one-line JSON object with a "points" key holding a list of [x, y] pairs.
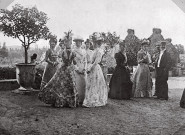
{"points": [[7, 73]]}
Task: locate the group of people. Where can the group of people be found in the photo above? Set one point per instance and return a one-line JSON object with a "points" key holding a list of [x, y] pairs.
{"points": [[122, 86], [77, 79], [142, 82]]}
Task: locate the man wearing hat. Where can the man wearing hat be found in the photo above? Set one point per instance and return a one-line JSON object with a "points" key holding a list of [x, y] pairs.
{"points": [[155, 57], [163, 65]]}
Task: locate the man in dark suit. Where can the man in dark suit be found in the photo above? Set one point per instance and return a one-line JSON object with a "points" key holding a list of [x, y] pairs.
{"points": [[162, 65]]}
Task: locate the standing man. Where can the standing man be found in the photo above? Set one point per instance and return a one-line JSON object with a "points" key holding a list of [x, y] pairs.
{"points": [[163, 65], [155, 59]]}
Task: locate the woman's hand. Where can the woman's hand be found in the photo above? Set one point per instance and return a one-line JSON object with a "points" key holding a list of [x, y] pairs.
{"points": [[79, 72], [88, 72], [55, 63]]}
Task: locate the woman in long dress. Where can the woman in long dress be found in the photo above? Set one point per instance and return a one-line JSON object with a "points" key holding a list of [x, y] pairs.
{"points": [[142, 82], [89, 53], [96, 93], [120, 84], [104, 62], [51, 57], [80, 68], [60, 91], [62, 48]]}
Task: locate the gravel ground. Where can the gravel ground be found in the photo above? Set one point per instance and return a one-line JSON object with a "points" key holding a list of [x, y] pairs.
{"points": [[26, 115]]}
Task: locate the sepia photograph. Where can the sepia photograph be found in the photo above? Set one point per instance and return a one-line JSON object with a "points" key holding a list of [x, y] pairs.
{"points": [[92, 67]]}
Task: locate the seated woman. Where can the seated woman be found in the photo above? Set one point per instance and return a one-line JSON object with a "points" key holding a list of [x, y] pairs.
{"points": [[38, 76], [120, 83], [34, 59], [61, 91]]}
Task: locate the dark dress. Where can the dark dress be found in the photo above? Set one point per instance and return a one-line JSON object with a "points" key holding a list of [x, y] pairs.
{"points": [[182, 101], [61, 90], [120, 83], [50, 69]]}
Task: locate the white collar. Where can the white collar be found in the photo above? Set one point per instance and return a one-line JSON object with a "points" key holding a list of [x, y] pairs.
{"points": [[163, 51]]}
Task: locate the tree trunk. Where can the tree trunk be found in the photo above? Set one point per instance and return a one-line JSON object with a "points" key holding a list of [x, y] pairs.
{"points": [[26, 55]]}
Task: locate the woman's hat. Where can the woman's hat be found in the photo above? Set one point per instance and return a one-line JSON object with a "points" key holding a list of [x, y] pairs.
{"points": [[145, 42], [88, 41], [53, 38], [78, 38], [67, 37], [99, 38], [122, 43], [62, 40], [163, 43]]}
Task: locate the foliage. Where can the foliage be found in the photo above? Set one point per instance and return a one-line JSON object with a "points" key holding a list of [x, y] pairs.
{"points": [[108, 38], [93, 37], [4, 51], [155, 38], [180, 48], [26, 24], [173, 54], [111, 38], [7, 73], [132, 46]]}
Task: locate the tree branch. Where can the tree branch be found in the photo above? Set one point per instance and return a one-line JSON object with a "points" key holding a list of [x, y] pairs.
{"points": [[20, 38]]}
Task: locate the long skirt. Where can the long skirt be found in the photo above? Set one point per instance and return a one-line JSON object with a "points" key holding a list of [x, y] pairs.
{"points": [[105, 71], [120, 84], [96, 89], [48, 74], [182, 101], [161, 85], [61, 91], [142, 81], [80, 85]]}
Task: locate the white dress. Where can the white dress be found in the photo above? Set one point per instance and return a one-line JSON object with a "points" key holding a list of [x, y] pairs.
{"points": [[96, 93], [79, 76]]}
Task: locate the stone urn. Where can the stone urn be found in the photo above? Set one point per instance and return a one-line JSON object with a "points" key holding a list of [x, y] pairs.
{"points": [[25, 74]]}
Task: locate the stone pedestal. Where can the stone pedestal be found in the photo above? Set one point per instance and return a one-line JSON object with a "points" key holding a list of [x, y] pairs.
{"points": [[25, 74]]}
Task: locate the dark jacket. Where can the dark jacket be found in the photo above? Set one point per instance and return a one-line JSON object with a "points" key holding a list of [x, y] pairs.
{"points": [[165, 62]]}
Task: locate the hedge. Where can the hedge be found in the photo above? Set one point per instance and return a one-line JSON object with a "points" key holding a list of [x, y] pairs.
{"points": [[7, 73]]}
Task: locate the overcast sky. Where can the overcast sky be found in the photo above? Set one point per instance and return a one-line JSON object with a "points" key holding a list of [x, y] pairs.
{"points": [[87, 16]]}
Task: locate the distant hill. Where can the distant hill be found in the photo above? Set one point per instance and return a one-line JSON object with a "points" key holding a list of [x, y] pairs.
{"points": [[14, 47]]}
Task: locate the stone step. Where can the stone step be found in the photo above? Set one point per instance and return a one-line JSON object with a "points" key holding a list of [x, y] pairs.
{"points": [[9, 84]]}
